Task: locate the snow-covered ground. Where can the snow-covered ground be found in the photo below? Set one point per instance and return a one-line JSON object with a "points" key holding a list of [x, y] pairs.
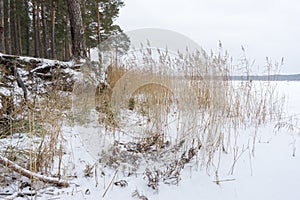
{"points": [[271, 171]]}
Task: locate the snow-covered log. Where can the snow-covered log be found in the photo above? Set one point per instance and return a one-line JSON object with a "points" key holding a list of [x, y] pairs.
{"points": [[24, 78], [33, 63], [31, 175], [33, 74]]}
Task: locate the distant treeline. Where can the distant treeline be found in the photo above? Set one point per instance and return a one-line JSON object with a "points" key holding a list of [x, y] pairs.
{"points": [[276, 77]]}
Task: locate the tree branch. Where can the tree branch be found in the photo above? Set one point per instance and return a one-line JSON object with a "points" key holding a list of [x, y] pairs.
{"points": [[29, 174]]}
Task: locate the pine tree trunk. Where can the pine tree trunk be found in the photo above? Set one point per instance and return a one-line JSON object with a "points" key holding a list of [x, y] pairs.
{"points": [[35, 30], [16, 39], [9, 26], [38, 22], [67, 52], [2, 42], [27, 29], [99, 23], [27, 40], [45, 30], [77, 31], [53, 48], [20, 36]]}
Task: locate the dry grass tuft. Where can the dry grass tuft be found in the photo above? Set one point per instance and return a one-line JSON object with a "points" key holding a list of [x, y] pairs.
{"points": [[187, 101], [33, 132]]}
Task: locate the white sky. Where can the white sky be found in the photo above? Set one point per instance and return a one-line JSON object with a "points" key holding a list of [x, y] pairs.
{"points": [[264, 27]]}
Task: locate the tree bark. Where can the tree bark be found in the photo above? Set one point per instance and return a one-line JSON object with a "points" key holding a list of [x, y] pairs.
{"points": [[2, 41], [16, 39], [53, 48], [19, 36], [45, 30], [77, 30], [67, 52], [99, 23], [38, 22], [35, 30], [27, 29], [9, 26]]}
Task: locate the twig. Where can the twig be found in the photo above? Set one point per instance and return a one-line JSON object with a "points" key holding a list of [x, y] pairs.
{"points": [[17, 194], [29, 174], [225, 180], [5, 193], [112, 180], [96, 174]]}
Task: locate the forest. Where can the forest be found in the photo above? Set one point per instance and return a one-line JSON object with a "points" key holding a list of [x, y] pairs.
{"points": [[42, 28]]}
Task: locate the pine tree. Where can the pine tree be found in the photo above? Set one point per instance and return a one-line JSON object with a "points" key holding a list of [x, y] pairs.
{"points": [[77, 31], [42, 28], [99, 19], [53, 48], [15, 29], [45, 29], [2, 41], [9, 27]]}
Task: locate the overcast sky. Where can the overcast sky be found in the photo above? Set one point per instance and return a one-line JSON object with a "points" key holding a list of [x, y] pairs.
{"points": [[263, 27]]}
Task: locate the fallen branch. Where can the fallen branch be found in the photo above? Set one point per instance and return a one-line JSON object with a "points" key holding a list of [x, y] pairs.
{"points": [[31, 175], [11, 196], [19, 80], [112, 180], [225, 180]]}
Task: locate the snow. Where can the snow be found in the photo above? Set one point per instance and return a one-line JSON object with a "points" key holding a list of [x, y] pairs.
{"points": [[271, 171], [41, 60], [4, 91], [46, 62]]}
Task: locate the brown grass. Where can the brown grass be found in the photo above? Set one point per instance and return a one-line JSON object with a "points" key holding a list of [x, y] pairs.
{"points": [[224, 107]]}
